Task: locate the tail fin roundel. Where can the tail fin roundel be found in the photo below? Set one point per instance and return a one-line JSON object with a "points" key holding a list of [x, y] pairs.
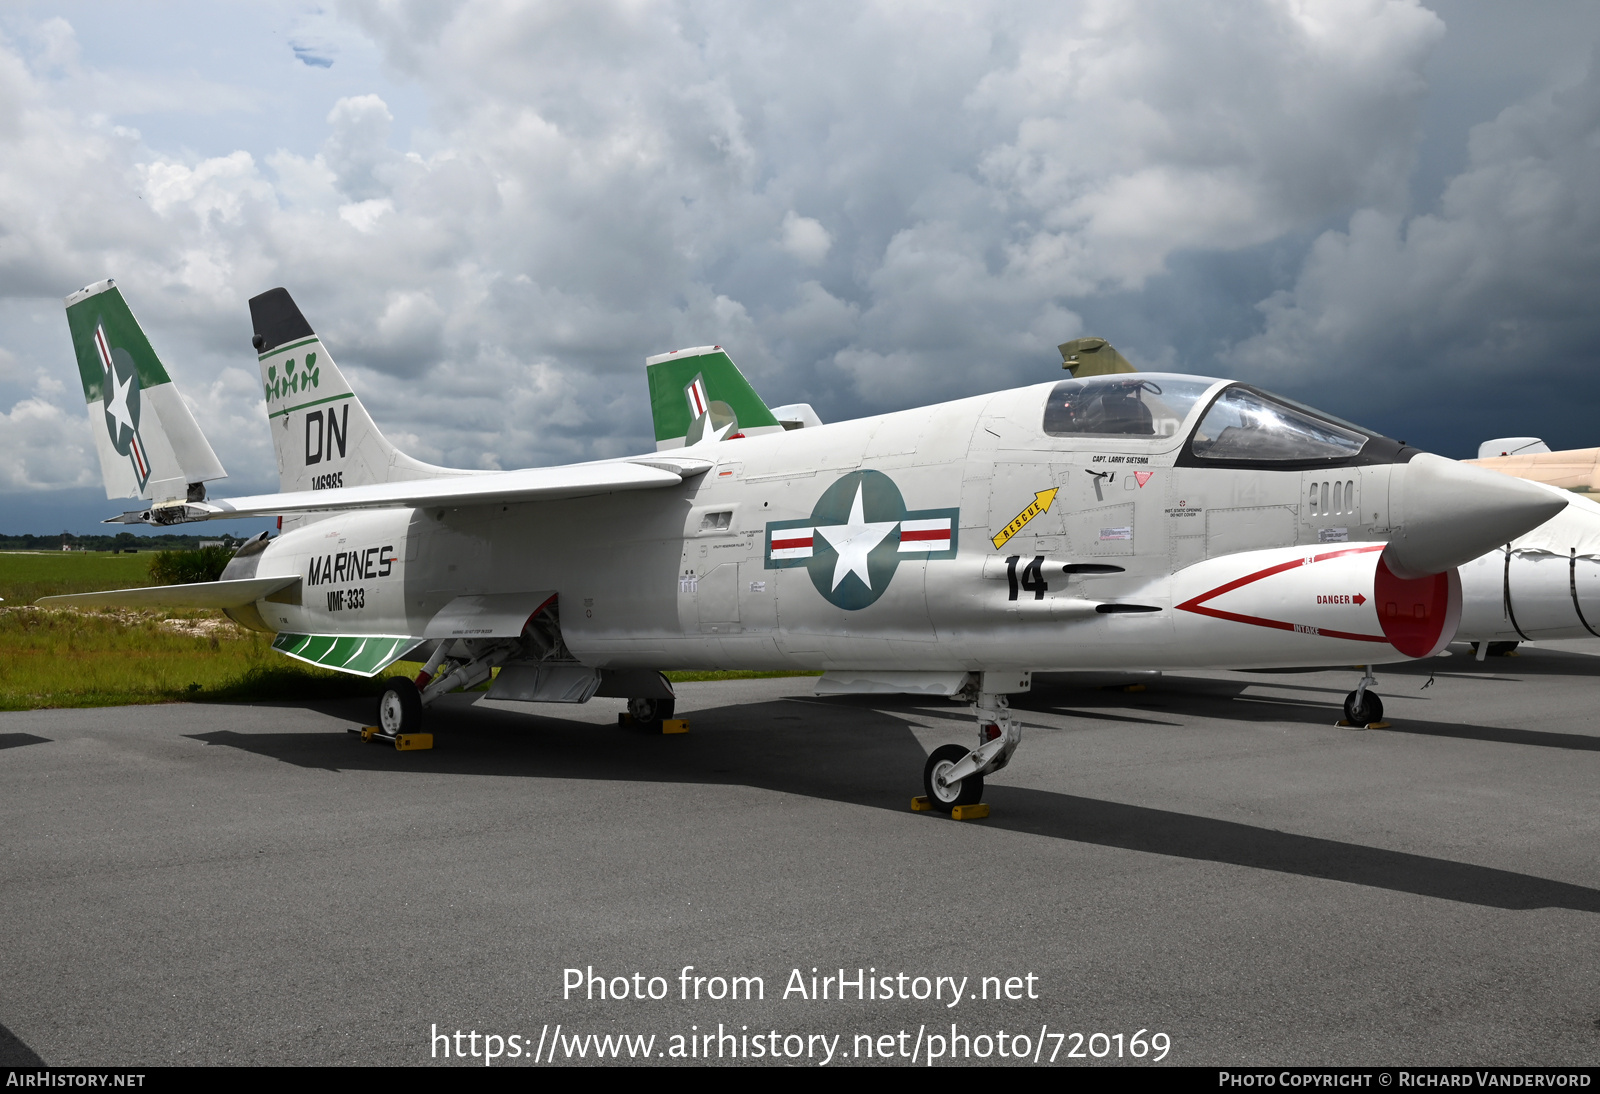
{"points": [[698, 391], [149, 444]]}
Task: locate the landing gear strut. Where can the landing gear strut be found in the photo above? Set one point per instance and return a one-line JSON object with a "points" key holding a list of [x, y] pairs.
{"points": [[954, 775], [1363, 707], [401, 704]]}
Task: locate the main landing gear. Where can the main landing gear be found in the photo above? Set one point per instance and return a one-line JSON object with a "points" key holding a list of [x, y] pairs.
{"points": [[548, 673], [399, 708], [648, 714], [954, 775], [402, 702], [1363, 707]]}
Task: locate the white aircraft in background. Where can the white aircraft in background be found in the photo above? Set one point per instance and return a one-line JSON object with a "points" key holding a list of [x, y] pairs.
{"points": [[1126, 521], [1544, 584]]}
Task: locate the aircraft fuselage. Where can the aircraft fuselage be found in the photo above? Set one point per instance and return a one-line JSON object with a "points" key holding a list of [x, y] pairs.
{"points": [[872, 544]]}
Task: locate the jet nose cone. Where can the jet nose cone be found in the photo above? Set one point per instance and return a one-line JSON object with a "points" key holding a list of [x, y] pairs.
{"points": [[1446, 514]]}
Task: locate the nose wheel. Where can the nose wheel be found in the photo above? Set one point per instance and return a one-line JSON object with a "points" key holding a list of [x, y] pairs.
{"points": [[943, 793], [1362, 706], [954, 775]]}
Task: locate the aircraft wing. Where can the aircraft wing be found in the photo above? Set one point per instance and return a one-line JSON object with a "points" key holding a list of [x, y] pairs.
{"points": [[201, 594], [496, 488], [1570, 469]]}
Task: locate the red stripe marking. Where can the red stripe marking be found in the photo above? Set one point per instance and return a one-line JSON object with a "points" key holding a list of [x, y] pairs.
{"points": [[932, 533], [1197, 604], [790, 544], [100, 344], [140, 466]]}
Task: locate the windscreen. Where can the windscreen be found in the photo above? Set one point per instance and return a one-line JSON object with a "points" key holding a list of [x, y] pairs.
{"points": [[1151, 404], [1247, 425]]}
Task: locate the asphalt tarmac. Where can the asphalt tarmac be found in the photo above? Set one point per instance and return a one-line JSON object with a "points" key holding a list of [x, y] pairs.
{"points": [[1210, 858]]}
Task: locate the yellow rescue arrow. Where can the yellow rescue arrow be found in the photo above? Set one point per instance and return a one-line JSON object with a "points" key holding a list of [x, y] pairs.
{"points": [[1040, 504]]}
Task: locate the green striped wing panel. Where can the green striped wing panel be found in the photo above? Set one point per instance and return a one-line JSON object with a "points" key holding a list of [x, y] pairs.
{"points": [[363, 655]]}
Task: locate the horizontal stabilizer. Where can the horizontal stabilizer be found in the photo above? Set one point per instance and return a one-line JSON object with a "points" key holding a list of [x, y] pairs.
{"points": [[358, 654], [201, 594], [497, 488]]}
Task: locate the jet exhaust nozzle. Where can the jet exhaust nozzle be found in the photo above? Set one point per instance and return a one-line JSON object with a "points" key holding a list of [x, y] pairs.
{"points": [[1445, 514]]}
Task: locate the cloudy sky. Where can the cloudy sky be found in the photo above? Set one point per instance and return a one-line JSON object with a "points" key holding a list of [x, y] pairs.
{"points": [[493, 211]]}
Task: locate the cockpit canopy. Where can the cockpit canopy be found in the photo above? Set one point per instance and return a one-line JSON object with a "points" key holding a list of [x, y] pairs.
{"points": [[1242, 426], [1151, 404]]}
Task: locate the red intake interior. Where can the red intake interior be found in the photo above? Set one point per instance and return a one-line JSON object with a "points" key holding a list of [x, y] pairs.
{"points": [[1414, 613]]}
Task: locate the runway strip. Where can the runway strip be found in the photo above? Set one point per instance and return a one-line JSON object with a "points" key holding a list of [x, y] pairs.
{"points": [[1210, 858]]}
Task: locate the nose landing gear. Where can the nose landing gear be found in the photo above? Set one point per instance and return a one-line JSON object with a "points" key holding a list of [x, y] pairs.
{"points": [[954, 775], [1362, 707]]}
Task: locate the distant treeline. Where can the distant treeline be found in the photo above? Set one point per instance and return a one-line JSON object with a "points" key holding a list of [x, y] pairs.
{"points": [[119, 542]]}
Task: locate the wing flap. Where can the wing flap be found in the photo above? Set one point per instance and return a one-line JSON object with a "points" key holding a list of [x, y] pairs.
{"points": [[201, 594]]}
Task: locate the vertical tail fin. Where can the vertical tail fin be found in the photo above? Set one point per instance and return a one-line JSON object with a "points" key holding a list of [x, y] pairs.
{"points": [[1092, 357], [149, 444], [324, 437], [691, 389]]}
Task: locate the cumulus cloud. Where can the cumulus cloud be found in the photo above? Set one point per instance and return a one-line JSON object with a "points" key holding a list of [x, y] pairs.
{"points": [[43, 447], [871, 205], [805, 238], [1485, 302]]}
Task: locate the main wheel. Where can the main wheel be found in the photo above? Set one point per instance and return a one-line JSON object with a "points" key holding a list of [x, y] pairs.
{"points": [[399, 707], [650, 713], [1502, 649], [1367, 711], [945, 798]]}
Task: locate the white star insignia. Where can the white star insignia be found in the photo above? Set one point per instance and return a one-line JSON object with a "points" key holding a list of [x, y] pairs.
{"points": [[118, 407], [854, 542]]}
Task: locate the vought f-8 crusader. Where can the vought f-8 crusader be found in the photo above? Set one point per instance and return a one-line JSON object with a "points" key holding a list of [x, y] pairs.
{"points": [[1117, 521]]}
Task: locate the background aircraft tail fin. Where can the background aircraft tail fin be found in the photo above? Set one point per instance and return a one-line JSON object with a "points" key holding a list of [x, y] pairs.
{"points": [[1092, 357], [149, 444], [323, 436], [691, 389]]}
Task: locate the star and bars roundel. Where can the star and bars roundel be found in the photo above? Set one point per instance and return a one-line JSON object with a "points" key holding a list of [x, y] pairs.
{"points": [[120, 399], [856, 537]]}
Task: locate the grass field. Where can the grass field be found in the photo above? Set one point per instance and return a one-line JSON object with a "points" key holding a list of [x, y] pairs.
{"points": [[27, 575], [66, 658]]}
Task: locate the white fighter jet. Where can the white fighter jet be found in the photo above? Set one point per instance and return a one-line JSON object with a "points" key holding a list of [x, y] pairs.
{"points": [[1129, 521], [1544, 584]]}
